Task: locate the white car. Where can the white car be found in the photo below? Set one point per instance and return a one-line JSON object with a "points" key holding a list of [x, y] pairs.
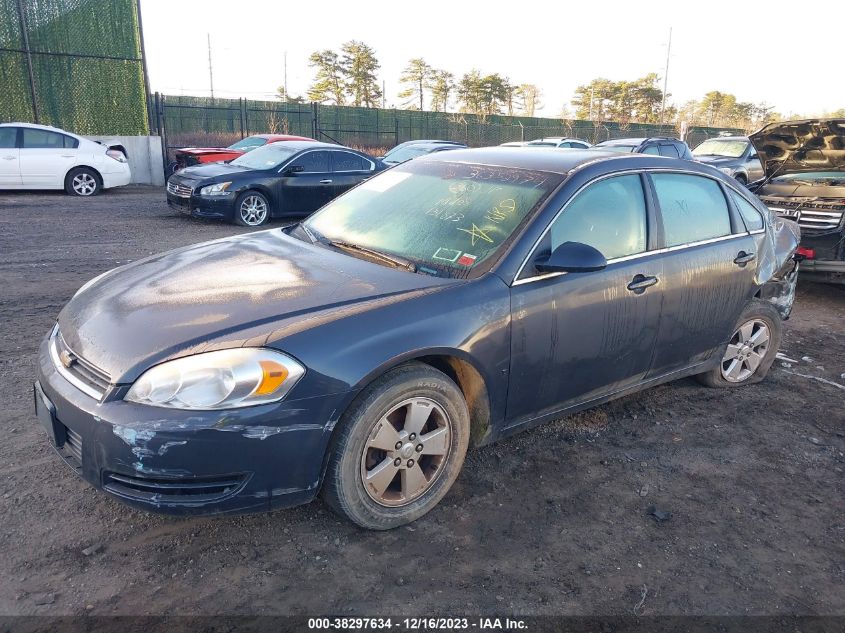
{"points": [[42, 157], [559, 141]]}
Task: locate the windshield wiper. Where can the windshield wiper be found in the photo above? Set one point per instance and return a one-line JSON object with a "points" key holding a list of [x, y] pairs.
{"points": [[396, 260]]}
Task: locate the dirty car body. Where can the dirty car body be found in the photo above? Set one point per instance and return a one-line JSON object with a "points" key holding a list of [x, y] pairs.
{"points": [[804, 165], [526, 345]]}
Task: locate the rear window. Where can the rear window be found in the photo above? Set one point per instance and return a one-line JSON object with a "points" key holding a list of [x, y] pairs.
{"points": [[693, 208], [751, 216]]}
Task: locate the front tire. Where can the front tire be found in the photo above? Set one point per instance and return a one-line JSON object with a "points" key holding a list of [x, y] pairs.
{"points": [[83, 181], [252, 209], [751, 350], [399, 449]]}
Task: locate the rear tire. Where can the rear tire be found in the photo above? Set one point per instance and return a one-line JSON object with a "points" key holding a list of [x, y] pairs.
{"points": [[252, 209], [83, 181], [399, 449], [750, 353]]}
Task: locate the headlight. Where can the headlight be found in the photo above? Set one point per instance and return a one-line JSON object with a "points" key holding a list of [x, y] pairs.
{"points": [[224, 379], [219, 189], [727, 170]]}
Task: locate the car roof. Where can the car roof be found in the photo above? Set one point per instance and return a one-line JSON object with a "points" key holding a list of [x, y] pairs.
{"points": [[300, 145], [36, 126], [282, 137], [557, 138]]}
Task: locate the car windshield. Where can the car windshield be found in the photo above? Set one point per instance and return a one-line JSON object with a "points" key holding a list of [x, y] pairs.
{"points": [[622, 149], [449, 219], [266, 157], [401, 154], [249, 143], [813, 178], [718, 147]]}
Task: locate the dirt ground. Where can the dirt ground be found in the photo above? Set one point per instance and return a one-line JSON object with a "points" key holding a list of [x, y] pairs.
{"points": [[553, 521]]}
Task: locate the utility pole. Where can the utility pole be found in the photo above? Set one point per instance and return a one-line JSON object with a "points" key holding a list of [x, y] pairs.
{"points": [[210, 72], [666, 77], [286, 76]]}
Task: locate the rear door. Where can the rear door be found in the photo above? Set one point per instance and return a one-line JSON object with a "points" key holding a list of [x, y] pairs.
{"points": [[577, 336], [46, 157], [307, 190], [348, 169], [708, 269], [10, 167]]}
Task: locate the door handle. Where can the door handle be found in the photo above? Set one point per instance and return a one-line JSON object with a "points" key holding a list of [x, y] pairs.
{"points": [[67, 155], [9, 157], [327, 181], [742, 258], [640, 282]]}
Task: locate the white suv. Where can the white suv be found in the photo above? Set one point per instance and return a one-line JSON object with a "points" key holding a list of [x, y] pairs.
{"points": [[42, 157]]}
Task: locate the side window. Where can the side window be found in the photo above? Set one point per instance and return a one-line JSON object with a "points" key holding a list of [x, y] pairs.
{"points": [[751, 216], [667, 149], [71, 143], [651, 149], [566, 144], [609, 215], [8, 137], [42, 139], [693, 208], [314, 162], [347, 161]]}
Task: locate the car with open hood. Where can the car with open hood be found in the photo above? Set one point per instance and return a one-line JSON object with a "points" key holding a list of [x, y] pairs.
{"points": [[447, 302], [293, 178], [804, 166], [732, 155]]}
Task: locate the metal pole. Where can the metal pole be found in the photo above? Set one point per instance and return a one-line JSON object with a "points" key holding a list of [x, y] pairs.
{"points": [[210, 72], [286, 77], [25, 36], [150, 115], [666, 77], [243, 116]]}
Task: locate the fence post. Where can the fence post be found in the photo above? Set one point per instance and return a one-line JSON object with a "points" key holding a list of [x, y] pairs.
{"points": [[162, 129], [25, 37], [244, 115], [395, 130], [315, 120]]}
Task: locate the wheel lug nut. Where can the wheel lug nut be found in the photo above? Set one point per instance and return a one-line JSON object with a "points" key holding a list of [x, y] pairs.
{"points": [[397, 462], [398, 445], [419, 448], [410, 463], [412, 436]]}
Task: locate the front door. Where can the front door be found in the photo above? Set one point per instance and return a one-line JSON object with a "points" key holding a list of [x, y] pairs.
{"points": [[577, 336], [708, 274], [10, 169], [305, 191]]}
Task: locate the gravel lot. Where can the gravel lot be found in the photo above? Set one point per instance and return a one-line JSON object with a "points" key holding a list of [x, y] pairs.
{"points": [[553, 521]]}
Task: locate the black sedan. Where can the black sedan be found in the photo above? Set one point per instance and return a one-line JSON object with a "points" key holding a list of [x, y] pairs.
{"points": [[450, 301], [293, 178]]}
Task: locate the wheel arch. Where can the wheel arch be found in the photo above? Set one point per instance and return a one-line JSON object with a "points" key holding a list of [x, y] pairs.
{"points": [[85, 166]]}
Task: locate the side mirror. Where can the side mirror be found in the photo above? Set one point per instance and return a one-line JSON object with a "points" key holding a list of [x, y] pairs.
{"points": [[572, 257], [753, 157], [294, 169]]}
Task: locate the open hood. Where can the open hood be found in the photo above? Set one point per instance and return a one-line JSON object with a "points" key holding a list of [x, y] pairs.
{"points": [[790, 147]]}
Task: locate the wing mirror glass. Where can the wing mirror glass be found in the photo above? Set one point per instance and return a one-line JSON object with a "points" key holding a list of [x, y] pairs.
{"points": [[572, 257]]}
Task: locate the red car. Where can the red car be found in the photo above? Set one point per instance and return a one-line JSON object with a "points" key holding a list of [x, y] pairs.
{"points": [[188, 156]]}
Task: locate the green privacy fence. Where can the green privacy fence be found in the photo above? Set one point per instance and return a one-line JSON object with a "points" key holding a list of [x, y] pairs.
{"points": [[185, 120], [74, 64]]}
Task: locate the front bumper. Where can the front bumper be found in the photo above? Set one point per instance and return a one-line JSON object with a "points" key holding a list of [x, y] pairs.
{"points": [[216, 207], [190, 462]]}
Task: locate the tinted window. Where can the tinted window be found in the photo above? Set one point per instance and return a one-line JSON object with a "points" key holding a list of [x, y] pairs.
{"points": [[752, 217], [42, 139], [693, 208], [314, 162], [347, 161], [651, 149], [609, 215], [669, 150], [8, 136]]}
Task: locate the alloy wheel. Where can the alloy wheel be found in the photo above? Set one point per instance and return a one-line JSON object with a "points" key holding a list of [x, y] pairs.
{"points": [[84, 184], [406, 451], [746, 351], [253, 210]]}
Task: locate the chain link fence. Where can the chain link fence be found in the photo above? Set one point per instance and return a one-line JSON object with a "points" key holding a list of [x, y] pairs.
{"points": [[74, 64], [204, 121]]}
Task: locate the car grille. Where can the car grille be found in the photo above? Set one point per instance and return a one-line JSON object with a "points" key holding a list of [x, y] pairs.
{"points": [[73, 444], [193, 490], [176, 189], [812, 215], [78, 371]]}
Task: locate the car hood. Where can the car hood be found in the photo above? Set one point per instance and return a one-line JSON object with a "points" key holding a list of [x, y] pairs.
{"points": [[792, 147], [209, 170], [219, 294]]}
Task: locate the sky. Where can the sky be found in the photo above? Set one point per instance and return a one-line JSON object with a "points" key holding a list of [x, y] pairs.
{"points": [[554, 45]]}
